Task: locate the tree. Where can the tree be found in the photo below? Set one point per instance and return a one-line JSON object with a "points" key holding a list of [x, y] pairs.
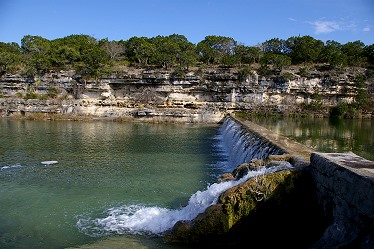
{"points": [[354, 52], [113, 48], [93, 60], [304, 49], [369, 53], [275, 46], [247, 55], [166, 50], [9, 56], [37, 52], [139, 49], [216, 49], [332, 54], [81, 52], [187, 55], [277, 61], [362, 96], [65, 56], [35, 44]]}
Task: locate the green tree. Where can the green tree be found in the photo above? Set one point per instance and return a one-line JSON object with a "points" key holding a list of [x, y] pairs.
{"points": [[247, 55], [37, 52], [304, 49], [355, 53], [275, 46], [93, 60], [82, 53], [65, 56], [35, 44], [10, 55], [187, 55], [166, 51], [276, 61], [362, 97], [369, 53], [139, 50], [332, 53], [216, 49]]}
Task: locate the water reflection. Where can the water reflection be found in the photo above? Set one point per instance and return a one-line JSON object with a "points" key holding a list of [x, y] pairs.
{"points": [[100, 165], [327, 135]]}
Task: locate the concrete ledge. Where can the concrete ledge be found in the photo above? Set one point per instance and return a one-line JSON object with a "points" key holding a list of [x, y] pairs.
{"points": [[345, 187], [300, 152]]}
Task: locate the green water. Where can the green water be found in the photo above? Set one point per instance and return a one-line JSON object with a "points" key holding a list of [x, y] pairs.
{"points": [[327, 135], [100, 165]]}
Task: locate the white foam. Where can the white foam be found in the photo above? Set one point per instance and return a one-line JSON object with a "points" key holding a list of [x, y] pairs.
{"points": [[11, 167], [139, 219], [49, 162]]}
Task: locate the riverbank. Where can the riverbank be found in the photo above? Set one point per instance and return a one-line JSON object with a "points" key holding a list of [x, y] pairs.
{"points": [[95, 109], [120, 110], [201, 91]]}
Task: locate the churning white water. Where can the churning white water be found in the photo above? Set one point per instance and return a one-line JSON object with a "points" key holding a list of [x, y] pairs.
{"points": [[138, 219], [240, 146]]}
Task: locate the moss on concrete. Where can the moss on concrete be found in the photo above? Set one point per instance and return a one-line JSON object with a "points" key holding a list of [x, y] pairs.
{"points": [[260, 203]]}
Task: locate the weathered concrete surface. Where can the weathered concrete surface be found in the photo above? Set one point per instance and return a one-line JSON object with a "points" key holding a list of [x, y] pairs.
{"points": [[345, 188]]}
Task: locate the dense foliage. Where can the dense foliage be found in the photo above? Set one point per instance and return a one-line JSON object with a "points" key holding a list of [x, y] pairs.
{"points": [[91, 57]]}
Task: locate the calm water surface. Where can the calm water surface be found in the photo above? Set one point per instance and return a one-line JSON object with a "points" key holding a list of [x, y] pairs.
{"points": [[101, 165], [327, 135]]}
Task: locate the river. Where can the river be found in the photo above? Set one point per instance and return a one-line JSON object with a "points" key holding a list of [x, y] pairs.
{"points": [[102, 184], [326, 135], [59, 178]]}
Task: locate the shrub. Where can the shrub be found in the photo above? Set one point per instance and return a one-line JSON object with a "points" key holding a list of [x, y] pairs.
{"points": [[339, 110], [244, 73], [52, 92], [304, 71]]}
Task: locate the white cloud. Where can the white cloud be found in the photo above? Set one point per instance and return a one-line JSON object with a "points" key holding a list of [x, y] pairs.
{"points": [[366, 29], [322, 26], [292, 19]]}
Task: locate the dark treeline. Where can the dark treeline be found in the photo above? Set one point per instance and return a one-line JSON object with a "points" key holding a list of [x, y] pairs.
{"points": [[91, 57]]}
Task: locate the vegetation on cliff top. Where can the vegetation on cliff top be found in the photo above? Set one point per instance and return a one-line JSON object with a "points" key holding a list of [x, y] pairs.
{"points": [[92, 59], [88, 56]]}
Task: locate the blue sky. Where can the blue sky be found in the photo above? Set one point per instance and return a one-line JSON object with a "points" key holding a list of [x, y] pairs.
{"points": [[248, 22]]}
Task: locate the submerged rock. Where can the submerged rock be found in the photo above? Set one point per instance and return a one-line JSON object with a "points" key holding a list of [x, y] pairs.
{"points": [[283, 160]]}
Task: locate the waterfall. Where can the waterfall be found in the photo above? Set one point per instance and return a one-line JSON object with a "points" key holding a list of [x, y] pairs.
{"points": [[243, 145]]}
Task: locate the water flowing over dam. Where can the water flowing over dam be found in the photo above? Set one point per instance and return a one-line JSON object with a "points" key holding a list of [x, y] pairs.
{"points": [[243, 145], [239, 144]]}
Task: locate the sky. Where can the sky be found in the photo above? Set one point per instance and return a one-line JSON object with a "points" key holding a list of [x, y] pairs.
{"points": [[246, 21]]}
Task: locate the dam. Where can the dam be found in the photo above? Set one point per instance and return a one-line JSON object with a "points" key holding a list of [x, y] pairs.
{"points": [[281, 190], [336, 193]]}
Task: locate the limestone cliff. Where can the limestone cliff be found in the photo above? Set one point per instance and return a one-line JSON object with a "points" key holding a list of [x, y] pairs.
{"points": [[211, 89]]}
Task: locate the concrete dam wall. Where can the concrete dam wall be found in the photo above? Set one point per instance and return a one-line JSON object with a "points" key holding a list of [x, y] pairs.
{"points": [[320, 200], [344, 183]]}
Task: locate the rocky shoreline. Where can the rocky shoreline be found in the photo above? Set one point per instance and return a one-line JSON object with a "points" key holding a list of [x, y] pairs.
{"points": [[140, 92]]}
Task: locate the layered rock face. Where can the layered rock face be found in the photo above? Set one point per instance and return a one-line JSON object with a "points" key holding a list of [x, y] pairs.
{"points": [[208, 90]]}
